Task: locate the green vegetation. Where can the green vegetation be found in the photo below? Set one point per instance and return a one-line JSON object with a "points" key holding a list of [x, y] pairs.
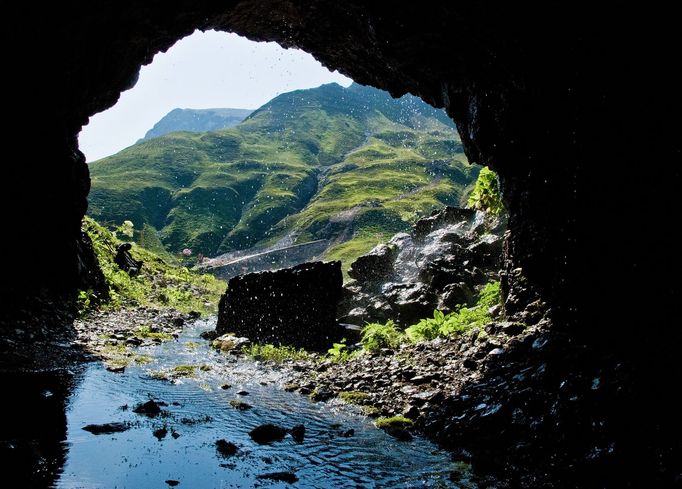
{"points": [[160, 284], [240, 405], [145, 332], [185, 370], [459, 321], [486, 193], [376, 336], [353, 397], [350, 165], [371, 411], [339, 352], [274, 353], [393, 422]]}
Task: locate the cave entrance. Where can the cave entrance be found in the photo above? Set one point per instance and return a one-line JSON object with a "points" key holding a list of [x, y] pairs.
{"points": [[240, 156]]}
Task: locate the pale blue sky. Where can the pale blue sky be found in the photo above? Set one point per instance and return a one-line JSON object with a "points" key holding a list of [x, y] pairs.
{"points": [[205, 70]]}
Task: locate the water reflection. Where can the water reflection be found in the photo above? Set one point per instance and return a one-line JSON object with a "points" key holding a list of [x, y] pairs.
{"points": [[179, 444], [34, 426]]}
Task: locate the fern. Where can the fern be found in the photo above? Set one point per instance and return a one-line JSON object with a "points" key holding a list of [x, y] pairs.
{"points": [[376, 336]]}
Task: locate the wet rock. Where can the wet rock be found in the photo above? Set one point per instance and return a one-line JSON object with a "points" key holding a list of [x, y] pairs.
{"points": [[229, 343], [161, 433], [267, 433], [375, 265], [240, 405], [348, 433], [225, 386], [321, 394], [172, 482], [411, 411], [512, 328], [209, 335], [294, 306], [437, 219], [288, 477], [117, 369], [150, 408], [226, 448], [106, 428], [291, 387], [487, 251], [398, 433], [243, 393], [298, 433], [454, 295], [439, 265]]}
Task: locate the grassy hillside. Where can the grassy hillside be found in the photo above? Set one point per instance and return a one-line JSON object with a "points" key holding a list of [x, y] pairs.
{"points": [[161, 283], [352, 165]]}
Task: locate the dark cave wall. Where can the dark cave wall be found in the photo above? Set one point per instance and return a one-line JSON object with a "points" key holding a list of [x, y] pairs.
{"points": [[572, 106]]}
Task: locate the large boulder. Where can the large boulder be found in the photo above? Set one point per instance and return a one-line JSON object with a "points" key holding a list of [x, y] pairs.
{"points": [[293, 306], [441, 264]]}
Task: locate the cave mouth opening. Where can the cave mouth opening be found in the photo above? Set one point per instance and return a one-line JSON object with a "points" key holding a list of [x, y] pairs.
{"points": [[232, 148], [550, 105]]}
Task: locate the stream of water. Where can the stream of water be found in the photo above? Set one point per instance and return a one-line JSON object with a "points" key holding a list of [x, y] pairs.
{"points": [[198, 413]]}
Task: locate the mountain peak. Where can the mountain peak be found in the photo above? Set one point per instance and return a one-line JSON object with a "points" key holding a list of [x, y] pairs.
{"points": [[197, 120]]}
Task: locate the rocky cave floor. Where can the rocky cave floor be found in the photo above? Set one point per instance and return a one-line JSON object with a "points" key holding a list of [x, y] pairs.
{"points": [[524, 404]]}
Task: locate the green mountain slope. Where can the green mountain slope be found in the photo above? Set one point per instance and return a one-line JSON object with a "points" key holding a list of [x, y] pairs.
{"points": [[347, 164]]}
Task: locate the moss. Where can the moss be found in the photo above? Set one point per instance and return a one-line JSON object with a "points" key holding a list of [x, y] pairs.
{"points": [[353, 397], [371, 411], [145, 332], [192, 345], [274, 353], [114, 350], [393, 422], [143, 359], [240, 405], [185, 370], [117, 362], [158, 375]]}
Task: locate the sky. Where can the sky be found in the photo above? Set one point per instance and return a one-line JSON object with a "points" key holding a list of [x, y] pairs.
{"points": [[202, 71]]}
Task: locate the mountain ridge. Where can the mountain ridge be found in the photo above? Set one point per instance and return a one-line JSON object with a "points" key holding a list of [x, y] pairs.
{"points": [[350, 165], [196, 120]]}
